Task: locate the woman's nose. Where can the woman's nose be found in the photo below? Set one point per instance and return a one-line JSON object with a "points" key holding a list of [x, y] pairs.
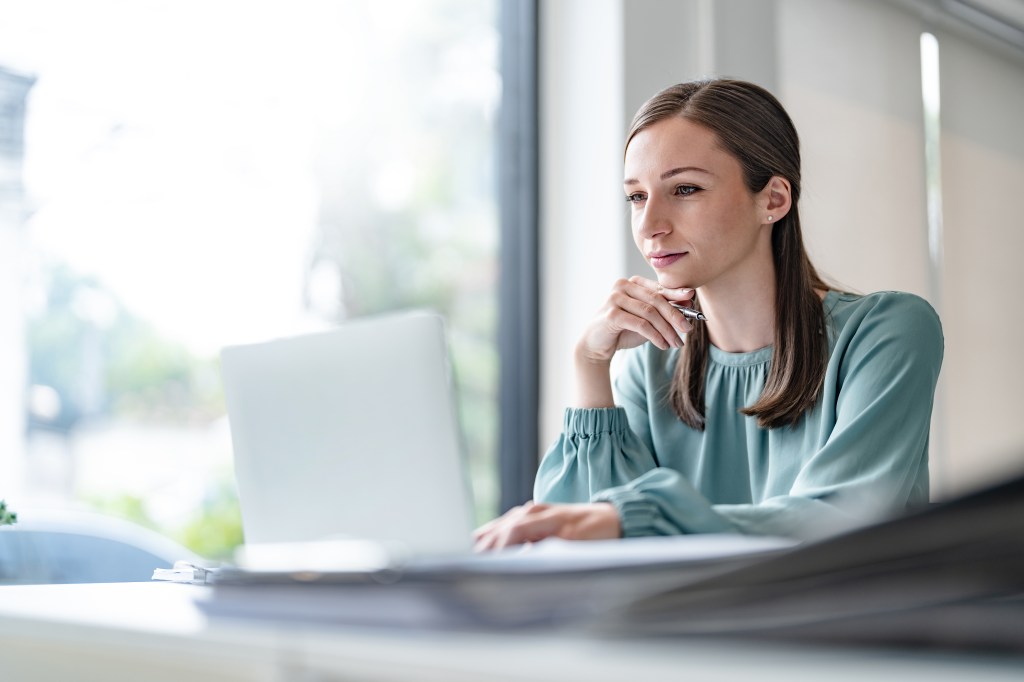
{"points": [[654, 220]]}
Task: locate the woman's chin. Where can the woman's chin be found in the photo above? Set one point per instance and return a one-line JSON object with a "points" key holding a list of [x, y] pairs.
{"points": [[670, 281]]}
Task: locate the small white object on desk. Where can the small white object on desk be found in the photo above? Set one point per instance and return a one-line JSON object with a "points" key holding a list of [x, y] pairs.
{"points": [[184, 572]]}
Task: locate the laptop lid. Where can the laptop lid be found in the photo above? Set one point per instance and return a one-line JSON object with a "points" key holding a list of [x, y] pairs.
{"points": [[350, 433]]}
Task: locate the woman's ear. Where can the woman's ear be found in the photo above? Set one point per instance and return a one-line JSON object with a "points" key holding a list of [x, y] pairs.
{"points": [[775, 199]]}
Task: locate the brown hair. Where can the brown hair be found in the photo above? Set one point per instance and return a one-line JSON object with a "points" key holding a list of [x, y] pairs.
{"points": [[751, 124]]}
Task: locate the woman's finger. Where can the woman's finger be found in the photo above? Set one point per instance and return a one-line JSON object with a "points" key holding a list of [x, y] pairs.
{"points": [[542, 521], [654, 307], [643, 318], [512, 513], [512, 528], [532, 528], [665, 298]]}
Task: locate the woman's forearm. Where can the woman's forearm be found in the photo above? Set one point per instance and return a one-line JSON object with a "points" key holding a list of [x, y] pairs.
{"points": [[593, 382]]}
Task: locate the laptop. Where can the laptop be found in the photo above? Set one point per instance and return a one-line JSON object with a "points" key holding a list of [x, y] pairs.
{"points": [[347, 446]]}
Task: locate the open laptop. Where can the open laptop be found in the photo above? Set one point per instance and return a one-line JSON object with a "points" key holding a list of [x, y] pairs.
{"points": [[351, 436]]}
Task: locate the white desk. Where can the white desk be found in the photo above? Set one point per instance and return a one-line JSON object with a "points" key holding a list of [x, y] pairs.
{"points": [[155, 632]]}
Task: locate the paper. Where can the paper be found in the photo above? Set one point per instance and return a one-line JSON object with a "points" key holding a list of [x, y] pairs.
{"points": [[553, 582], [184, 572], [952, 575], [555, 555]]}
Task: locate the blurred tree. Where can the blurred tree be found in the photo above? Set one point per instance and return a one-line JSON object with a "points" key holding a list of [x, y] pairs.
{"points": [[213, 531], [101, 361], [216, 530], [104, 361], [416, 224]]}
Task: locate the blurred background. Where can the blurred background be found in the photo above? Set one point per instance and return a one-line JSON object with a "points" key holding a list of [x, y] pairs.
{"points": [[197, 174], [180, 176]]}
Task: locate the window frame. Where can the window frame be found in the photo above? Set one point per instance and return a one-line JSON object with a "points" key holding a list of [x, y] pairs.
{"points": [[518, 289]]}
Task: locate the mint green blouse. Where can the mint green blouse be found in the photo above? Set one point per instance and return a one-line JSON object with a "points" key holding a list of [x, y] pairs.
{"points": [[860, 454]]}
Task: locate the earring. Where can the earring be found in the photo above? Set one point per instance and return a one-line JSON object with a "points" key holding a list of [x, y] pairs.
{"points": [[770, 218]]}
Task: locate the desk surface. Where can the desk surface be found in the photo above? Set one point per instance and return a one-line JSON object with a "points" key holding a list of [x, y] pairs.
{"points": [[156, 631]]}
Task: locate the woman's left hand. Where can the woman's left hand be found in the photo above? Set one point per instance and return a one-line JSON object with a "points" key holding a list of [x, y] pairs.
{"points": [[533, 522]]}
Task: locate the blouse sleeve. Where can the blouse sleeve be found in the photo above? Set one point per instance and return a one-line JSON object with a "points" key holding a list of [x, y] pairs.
{"points": [[600, 458], [596, 450]]}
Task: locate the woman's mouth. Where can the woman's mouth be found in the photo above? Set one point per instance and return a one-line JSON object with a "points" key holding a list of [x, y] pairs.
{"points": [[663, 259]]}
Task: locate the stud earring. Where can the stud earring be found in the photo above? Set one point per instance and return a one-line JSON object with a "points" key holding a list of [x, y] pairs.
{"points": [[770, 218]]}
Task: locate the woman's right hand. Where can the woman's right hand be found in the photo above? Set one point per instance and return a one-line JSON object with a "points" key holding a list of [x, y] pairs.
{"points": [[638, 310]]}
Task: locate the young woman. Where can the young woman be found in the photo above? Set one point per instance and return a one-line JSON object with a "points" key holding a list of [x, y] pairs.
{"points": [[790, 409]]}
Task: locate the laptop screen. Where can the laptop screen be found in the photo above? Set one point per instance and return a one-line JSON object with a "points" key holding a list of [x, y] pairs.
{"points": [[350, 433]]}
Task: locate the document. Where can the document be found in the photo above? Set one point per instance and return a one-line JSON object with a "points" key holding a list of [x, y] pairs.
{"points": [[554, 582]]}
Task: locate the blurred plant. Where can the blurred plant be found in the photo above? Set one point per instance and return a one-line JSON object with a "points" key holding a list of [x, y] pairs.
{"points": [[101, 360], [213, 531], [216, 531], [417, 224], [128, 507], [7, 517]]}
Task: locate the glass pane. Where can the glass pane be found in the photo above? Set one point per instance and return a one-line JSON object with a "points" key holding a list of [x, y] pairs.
{"points": [[197, 174]]}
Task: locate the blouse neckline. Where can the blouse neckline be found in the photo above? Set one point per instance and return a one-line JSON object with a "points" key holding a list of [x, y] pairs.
{"points": [[761, 355]]}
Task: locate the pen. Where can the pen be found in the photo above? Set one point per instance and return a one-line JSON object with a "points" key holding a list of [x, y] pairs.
{"points": [[689, 312]]}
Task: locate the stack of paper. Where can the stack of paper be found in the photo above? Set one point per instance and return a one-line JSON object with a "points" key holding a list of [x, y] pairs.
{"points": [[553, 582], [952, 575]]}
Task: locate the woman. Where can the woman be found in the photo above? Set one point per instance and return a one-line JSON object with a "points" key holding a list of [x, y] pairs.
{"points": [[790, 409]]}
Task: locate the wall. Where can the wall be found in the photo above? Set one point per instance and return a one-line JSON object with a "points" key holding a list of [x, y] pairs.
{"points": [[600, 59], [982, 147], [582, 240]]}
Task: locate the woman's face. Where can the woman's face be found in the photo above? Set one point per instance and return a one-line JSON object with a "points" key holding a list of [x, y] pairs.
{"points": [[694, 220]]}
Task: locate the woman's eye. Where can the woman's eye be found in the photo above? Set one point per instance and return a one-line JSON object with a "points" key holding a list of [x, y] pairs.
{"points": [[686, 190], [634, 198]]}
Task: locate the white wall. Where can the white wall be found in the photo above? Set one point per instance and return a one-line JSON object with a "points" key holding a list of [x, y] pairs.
{"points": [[982, 148], [848, 71], [581, 124], [600, 59], [858, 110]]}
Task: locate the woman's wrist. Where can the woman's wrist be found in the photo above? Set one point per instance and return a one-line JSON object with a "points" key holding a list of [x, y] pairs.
{"points": [[593, 380]]}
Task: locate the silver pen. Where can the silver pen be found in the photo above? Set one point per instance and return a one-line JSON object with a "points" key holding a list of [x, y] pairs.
{"points": [[689, 313]]}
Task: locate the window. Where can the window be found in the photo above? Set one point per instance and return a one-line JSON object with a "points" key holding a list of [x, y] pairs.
{"points": [[200, 174]]}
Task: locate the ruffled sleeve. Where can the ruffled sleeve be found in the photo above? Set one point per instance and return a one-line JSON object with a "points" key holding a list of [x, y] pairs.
{"points": [[600, 458], [596, 450]]}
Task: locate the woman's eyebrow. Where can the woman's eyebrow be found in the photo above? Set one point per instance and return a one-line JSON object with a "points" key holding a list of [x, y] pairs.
{"points": [[669, 173]]}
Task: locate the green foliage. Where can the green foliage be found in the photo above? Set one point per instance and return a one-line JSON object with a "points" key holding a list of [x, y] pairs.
{"points": [[114, 363], [213, 531], [7, 517], [128, 507], [150, 378], [216, 530]]}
